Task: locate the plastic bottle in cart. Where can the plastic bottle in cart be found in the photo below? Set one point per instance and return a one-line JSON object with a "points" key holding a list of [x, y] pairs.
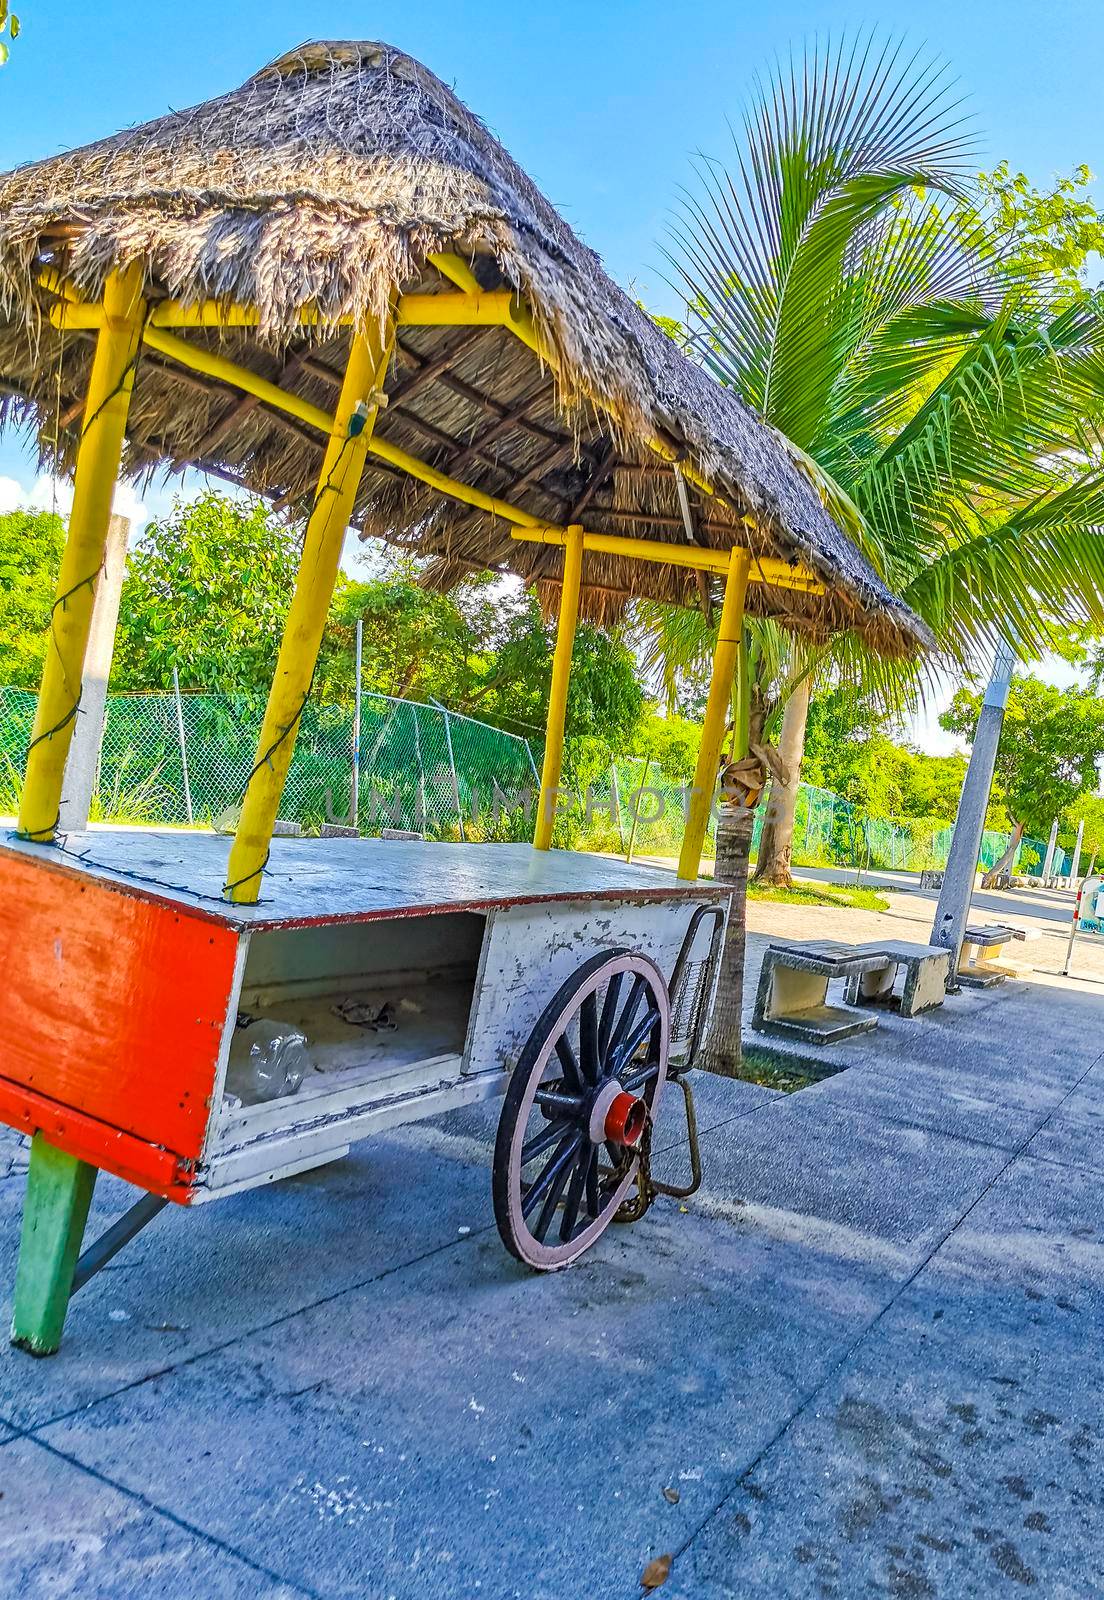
{"points": [[268, 1060]]}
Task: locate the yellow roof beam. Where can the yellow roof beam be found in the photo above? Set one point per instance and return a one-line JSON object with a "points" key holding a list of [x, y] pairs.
{"points": [[763, 569], [461, 309]]}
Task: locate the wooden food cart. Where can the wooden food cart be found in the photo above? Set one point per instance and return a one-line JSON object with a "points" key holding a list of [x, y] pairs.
{"points": [[334, 288]]}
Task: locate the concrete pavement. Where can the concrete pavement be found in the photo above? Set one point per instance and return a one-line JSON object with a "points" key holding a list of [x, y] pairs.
{"points": [[863, 1360]]}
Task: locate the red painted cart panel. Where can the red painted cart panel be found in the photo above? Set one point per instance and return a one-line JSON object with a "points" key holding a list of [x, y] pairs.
{"points": [[115, 1006]]}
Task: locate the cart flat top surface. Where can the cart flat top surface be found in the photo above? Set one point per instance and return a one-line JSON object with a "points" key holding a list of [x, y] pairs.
{"points": [[342, 880]]}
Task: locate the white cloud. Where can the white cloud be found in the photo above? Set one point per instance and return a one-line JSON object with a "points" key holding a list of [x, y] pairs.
{"points": [[48, 493]]}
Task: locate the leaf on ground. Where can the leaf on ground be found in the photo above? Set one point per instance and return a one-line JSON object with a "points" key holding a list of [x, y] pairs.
{"points": [[671, 1495], [656, 1573]]}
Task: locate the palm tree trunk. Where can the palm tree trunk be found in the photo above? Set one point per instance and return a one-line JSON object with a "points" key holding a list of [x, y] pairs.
{"points": [[776, 842], [723, 1044], [1006, 860]]}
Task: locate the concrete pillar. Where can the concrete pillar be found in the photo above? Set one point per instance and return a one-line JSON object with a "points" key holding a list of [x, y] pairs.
{"points": [[953, 907], [1075, 865], [1052, 845], [83, 761]]}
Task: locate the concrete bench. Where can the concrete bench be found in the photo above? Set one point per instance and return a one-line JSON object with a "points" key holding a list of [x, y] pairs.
{"points": [[792, 998], [926, 969], [980, 944]]}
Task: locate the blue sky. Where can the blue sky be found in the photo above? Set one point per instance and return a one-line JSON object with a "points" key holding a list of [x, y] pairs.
{"points": [[604, 104]]}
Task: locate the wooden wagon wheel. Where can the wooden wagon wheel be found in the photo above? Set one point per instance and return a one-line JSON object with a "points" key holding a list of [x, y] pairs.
{"points": [[590, 1075]]}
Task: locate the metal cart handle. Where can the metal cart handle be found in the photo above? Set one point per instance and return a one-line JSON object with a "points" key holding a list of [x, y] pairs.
{"points": [[705, 980]]}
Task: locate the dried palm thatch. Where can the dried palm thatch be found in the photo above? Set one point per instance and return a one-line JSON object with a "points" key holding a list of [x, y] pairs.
{"points": [[328, 180]]}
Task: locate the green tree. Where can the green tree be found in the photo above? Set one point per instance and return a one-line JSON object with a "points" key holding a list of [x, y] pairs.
{"points": [[1089, 809], [417, 645], [31, 543], [9, 23], [206, 592], [1052, 234], [1050, 745], [844, 278]]}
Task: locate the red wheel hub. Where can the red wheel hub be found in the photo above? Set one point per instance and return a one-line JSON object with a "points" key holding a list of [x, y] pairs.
{"points": [[625, 1119]]}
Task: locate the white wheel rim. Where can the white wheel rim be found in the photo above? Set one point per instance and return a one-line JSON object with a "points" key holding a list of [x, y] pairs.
{"points": [[534, 1251]]}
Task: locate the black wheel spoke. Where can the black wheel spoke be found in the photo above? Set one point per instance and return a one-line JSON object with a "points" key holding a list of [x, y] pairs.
{"points": [[637, 1080], [554, 1100], [575, 1194], [588, 1038], [543, 1141], [560, 1162], [628, 1015], [573, 1076], [593, 1192], [626, 1050], [552, 1198], [609, 1012]]}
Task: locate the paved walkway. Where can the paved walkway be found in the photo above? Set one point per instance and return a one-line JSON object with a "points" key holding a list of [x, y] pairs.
{"points": [[864, 1360]]}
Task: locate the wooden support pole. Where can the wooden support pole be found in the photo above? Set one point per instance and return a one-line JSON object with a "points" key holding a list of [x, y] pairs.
{"points": [[322, 545], [729, 635], [55, 1210], [82, 766], [105, 418], [561, 676]]}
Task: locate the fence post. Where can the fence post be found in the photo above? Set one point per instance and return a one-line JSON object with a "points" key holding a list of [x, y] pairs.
{"points": [[617, 799], [452, 768], [354, 788], [183, 747], [421, 817], [636, 807]]}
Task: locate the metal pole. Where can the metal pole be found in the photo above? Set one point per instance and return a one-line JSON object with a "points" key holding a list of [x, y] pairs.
{"points": [[354, 807], [452, 767], [1075, 925], [1075, 866], [953, 906], [1051, 845], [183, 747], [421, 817], [615, 799]]}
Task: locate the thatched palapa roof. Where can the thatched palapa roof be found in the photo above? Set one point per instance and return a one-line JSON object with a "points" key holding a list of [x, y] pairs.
{"points": [[327, 181]]}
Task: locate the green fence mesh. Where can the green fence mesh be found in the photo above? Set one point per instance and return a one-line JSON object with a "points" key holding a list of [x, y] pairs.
{"points": [[437, 772], [409, 754]]}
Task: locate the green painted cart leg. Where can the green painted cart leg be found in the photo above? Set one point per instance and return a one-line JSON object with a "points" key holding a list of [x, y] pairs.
{"points": [[59, 1190]]}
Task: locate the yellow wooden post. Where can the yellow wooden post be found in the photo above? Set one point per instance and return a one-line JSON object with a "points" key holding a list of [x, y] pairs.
{"points": [[354, 420], [557, 699], [716, 711], [105, 416]]}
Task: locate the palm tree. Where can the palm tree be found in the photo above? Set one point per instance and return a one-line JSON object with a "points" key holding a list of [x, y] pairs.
{"points": [[844, 280]]}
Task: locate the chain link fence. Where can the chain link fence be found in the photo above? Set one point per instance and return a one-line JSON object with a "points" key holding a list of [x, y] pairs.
{"points": [[639, 807], [170, 760]]}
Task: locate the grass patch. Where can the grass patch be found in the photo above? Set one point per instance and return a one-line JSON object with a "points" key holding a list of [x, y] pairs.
{"points": [[777, 1071], [826, 894]]}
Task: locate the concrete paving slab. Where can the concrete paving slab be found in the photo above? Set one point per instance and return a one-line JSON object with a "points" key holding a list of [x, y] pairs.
{"points": [[874, 1191], [65, 1532], [941, 1102], [199, 1276], [464, 1427], [959, 1450], [1075, 1133]]}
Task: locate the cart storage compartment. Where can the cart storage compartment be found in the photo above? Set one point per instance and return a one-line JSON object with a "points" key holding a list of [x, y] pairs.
{"points": [[415, 975]]}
